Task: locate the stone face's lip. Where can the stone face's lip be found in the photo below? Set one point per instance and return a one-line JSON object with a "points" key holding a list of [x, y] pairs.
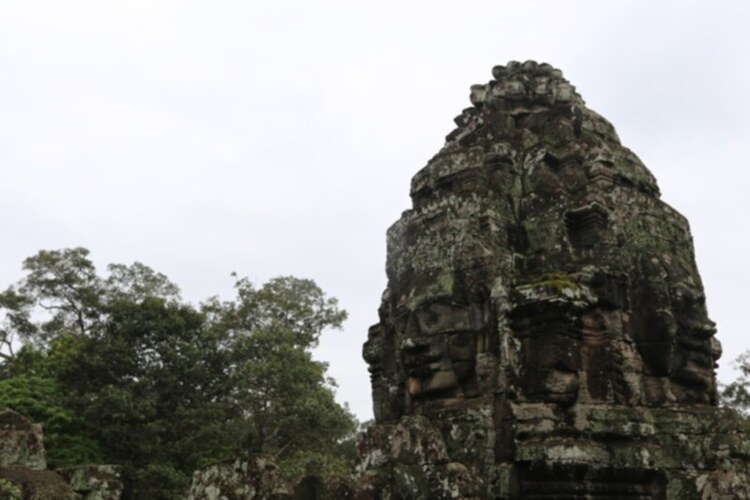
{"points": [[423, 369]]}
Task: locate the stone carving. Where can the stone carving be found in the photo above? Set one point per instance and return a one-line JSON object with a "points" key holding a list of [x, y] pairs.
{"points": [[538, 280]]}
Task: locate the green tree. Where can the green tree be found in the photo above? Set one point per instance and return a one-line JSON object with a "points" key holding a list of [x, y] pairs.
{"points": [[137, 282], [150, 385], [292, 304], [134, 364], [16, 325], [287, 401], [41, 399], [136, 377], [65, 284], [286, 397], [737, 394]]}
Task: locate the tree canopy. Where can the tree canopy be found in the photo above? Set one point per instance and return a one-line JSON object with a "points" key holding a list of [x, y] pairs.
{"points": [[737, 394], [120, 370]]}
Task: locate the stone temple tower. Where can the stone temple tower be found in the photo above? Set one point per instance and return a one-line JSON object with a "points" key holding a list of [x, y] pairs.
{"points": [[544, 331]]}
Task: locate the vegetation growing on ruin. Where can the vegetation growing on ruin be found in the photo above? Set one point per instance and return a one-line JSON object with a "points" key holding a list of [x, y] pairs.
{"points": [[555, 282]]}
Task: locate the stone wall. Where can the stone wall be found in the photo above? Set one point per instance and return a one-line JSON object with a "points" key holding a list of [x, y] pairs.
{"points": [[23, 474], [21, 442], [251, 477]]}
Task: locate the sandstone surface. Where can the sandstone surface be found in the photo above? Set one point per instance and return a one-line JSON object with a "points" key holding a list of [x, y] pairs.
{"points": [[23, 474], [94, 482], [544, 332], [245, 478]]}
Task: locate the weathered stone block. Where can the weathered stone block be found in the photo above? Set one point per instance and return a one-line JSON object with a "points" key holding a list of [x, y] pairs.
{"points": [[21, 442], [94, 482], [24, 483], [246, 478]]}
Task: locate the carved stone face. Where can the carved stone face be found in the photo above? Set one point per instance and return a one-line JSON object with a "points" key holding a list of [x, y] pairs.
{"points": [[550, 343], [675, 339], [438, 347], [694, 332]]}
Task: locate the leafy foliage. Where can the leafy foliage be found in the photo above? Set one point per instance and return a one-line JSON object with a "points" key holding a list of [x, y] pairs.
{"points": [[16, 324], [137, 282], [65, 284], [285, 304], [287, 402], [283, 392], [737, 394], [145, 383], [121, 371]]}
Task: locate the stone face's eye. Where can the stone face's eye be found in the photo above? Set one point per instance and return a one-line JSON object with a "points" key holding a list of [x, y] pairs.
{"points": [[442, 318], [460, 340], [431, 317], [438, 318], [402, 319], [461, 346]]}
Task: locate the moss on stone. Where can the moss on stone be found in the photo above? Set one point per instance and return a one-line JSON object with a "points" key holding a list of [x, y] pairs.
{"points": [[553, 282], [9, 490]]}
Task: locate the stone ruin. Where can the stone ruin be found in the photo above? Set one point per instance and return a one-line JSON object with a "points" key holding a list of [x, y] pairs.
{"points": [[24, 474], [544, 331]]}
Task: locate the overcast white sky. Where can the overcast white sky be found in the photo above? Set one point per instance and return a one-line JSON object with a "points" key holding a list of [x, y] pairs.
{"points": [[279, 137]]}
